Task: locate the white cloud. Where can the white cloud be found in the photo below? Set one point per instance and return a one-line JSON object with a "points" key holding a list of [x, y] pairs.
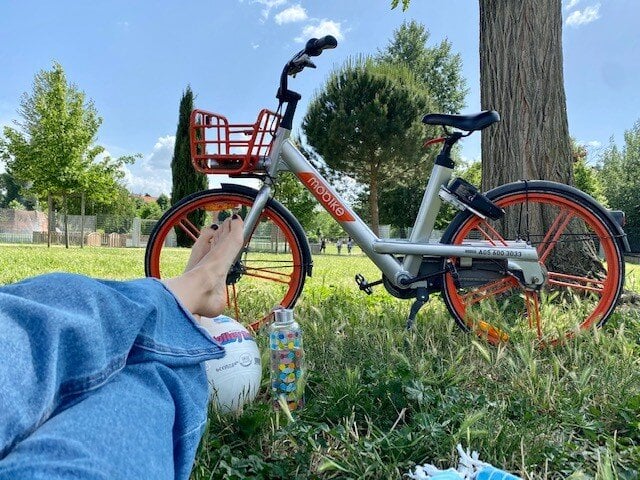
{"points": [[160, 157], [152, 174], [322, 28], [255, 46], [570, 4], [268, 6], [582, 17], [292, 14], [592, 144]]}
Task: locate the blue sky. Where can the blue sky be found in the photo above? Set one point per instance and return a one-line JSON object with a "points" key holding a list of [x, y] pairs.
{"points": [[134, 60]]}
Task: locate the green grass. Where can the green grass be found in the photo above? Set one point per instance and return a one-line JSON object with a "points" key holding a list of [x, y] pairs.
{"points": [[380, 400]]}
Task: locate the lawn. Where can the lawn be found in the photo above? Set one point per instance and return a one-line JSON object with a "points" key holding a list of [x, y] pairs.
{"points": [[380, 400]]}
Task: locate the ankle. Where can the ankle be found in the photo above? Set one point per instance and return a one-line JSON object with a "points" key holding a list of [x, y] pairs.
{"points": [[191, 288]]}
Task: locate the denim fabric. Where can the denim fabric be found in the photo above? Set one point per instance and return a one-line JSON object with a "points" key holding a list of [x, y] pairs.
{"points": [[99, 379]]}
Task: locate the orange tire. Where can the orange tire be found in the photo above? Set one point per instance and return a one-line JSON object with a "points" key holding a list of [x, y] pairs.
{"points": [[572, 298], [272, 268]]}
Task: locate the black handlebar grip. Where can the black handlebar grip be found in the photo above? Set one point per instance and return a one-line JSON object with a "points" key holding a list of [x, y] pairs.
{"points": [[315, 46]]}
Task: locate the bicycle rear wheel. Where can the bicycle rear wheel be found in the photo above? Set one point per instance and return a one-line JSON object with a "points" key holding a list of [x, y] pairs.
{"points": [[577, 245], [273, 265]]}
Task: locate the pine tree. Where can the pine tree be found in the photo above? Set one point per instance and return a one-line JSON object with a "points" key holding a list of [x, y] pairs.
{"points": [[185, 178]]}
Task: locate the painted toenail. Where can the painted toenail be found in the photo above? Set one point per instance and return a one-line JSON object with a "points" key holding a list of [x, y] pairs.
{"points": [[214, 226]]}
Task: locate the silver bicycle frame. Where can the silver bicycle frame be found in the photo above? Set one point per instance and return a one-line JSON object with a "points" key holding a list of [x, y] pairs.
{"points": [[519, 254]]}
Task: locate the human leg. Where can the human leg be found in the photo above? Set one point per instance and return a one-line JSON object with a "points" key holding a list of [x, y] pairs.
{"points": [[145, 423], [65, 335]]}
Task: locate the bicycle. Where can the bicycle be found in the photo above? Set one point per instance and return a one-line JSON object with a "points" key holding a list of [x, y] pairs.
{"points": [[496, 265]]}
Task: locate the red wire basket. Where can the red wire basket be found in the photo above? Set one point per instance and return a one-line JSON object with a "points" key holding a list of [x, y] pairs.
{"points": [[218, 146]]}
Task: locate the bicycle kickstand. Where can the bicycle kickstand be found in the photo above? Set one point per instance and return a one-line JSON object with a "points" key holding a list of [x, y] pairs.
{"points": [[422, 297]]}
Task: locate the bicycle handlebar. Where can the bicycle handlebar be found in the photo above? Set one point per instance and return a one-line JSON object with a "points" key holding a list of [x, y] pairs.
{"points": [[299, 62], [302, 60], [315, 46]]}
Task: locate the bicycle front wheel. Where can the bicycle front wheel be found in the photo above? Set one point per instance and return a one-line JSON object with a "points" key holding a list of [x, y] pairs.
{"points": [[576, 244], [272, 268]]}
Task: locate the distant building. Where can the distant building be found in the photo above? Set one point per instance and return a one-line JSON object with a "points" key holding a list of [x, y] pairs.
{"points": [[146, 198]]}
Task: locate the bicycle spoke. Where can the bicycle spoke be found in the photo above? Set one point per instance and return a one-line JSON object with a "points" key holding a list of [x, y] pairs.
{"points": [[574, 281], [496, 235], [265, 277], [559, 225], [266, 269], [189, 228], [489, 290]]}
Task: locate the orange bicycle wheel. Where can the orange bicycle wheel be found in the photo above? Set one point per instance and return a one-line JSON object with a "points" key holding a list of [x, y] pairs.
{"points": [[578, 246], [273, 265]]}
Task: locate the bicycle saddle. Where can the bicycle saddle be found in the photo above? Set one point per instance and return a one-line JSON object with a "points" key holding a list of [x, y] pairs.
{"points": [[469, 123]]}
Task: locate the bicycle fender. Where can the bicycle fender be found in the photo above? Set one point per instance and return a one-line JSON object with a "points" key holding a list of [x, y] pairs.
{"points": [[534, 185]]}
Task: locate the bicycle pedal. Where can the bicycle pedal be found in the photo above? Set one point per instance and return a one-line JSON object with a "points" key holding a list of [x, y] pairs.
{"points": [[363, 284]]}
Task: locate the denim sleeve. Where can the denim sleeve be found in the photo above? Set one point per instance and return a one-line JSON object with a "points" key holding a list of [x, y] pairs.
{"points": [[64, 335]]}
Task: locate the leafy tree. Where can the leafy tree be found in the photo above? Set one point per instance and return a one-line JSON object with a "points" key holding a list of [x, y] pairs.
{"points": [[365, 123], [163, 202], [586, 177], [150, 210], [292, 194], [185, 178], [15, 205], [13, 189], [436, 67], [53, 147], [324, 226], [620, 171]]}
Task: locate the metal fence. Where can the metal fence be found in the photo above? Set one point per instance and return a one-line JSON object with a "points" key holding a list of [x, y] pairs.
{"points": [[21, 226]]}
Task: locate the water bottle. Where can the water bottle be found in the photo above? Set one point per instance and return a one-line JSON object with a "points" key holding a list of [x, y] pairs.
{"points": [[287, 360]]}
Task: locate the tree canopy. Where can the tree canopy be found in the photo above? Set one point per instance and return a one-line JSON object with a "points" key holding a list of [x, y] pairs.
{"points": [[365, 123], [53, 147], [620, 171], [186, 180], [437, 68]]}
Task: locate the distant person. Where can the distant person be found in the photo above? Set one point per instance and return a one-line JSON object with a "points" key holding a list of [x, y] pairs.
{"points": [[323, 246], [339, 245], [349, 245]]}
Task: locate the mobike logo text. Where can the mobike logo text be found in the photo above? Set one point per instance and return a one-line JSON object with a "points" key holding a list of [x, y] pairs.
{"points": [[228, 337], [324, 196]]}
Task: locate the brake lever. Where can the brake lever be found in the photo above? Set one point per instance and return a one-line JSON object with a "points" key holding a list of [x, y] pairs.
{"points": [[300, 63]]}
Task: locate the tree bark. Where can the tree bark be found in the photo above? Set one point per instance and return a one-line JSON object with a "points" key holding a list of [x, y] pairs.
{"points": [[521, 77]]}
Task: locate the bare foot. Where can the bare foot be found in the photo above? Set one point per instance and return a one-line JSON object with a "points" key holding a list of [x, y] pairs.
{"points": [[208, 237], [202, 288]]}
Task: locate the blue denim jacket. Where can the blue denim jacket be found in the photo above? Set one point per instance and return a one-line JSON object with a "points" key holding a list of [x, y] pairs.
{"points": [[99, 379]]}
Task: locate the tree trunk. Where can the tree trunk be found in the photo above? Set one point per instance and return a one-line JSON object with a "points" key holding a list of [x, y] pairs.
{"points": [[82, 221], [373, 202], [66, 222], [49, 218], [521, 77]]}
